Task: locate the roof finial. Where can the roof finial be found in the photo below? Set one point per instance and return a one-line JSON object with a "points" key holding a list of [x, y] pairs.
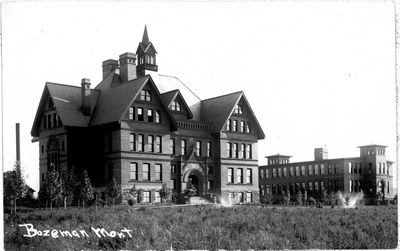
{"points": [[145, 39]]}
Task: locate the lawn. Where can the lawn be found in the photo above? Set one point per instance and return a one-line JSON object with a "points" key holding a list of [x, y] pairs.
{"points": [[203, 227]]}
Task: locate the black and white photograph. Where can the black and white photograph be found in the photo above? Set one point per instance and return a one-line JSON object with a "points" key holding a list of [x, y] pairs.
{"points": [[206, 125]]}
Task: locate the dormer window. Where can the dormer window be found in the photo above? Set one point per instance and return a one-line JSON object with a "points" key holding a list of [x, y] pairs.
{"points": [[176, 106], [145, 95], [238, 109]]}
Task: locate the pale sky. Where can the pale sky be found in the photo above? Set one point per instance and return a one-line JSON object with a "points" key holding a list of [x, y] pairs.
{"points": [[315, 74]]}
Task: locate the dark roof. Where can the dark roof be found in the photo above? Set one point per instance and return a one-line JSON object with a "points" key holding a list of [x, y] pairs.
{"points": [[371, 145], [170, 96], [219, 109], [67, 101], [111, 80]]}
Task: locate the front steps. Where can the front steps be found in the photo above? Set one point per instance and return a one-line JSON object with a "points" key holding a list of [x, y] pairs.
{"points": [[197, 200]]}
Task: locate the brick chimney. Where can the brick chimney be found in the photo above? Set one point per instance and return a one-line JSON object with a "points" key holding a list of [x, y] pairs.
{"points": [[127, 66], [86, 93], [108, 66], [321, 153]]}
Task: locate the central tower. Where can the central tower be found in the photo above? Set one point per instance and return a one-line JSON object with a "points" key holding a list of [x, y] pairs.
{"points": [[146, 54]]}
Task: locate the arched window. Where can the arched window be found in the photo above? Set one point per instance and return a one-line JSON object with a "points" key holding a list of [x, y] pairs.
{"points": [[53, 155]]}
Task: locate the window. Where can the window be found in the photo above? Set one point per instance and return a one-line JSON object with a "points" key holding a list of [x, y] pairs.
{"points": [[292, 188], [230, 175], [158, 116], [310, 187], [140, 114], [297, 171], [210, 185], [248, 127], [273, 189], [176, 106], [316, 169], [387, 187], [239, 175], [322, 169], [172, 146], [146, 171], [210, 170], [235, 125], [291, 171], [369, 167], [316, 187], [240, 197], [336, 182], [157, 197], [330, 186], [238, 109], [351, 186], [132, 142], [230, 197], [322, 186], [145, 95], [49, 121], [140, 146], [43, 148], [242, 152], [133, 171], [198, 148], [55, 123], [235, 150], [330, 168], [380, 168], [303, 170], [248, 151], [303, 187], [146, 197], [249, 197], [109, 143], [158, 144], [174, 184], [360, 168], [249, 176], [229, 150], [150, 117], [266, 173], [44, 122], [158, 172], [310, 169], [208, 149], [262, 174], [150, 141], [183, 146], [242, 126], [173, 168], [228, 125], [279, 172], [350, 168], [132, 113], [285, 172], [336, 167], [273, 173]]}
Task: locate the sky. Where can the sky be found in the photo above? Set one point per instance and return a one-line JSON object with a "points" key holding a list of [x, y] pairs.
{"points": [[315, 74]]}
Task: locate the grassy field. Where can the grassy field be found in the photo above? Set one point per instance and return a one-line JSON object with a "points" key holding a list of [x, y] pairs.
{"points": [[203, 227]]}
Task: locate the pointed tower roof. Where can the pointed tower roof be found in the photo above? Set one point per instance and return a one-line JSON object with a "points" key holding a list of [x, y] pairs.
{"points": [[145, 39], [146, 46]]}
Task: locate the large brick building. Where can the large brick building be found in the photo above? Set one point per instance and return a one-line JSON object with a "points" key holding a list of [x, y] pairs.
{"points": [[369, 173], [143, 128]]}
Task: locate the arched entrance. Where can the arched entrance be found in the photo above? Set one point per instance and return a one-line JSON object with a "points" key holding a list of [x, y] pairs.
{"points": [[194, 181]]}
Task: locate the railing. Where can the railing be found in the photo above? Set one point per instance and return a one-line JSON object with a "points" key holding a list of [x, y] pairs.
{"points": [[190, 125]]}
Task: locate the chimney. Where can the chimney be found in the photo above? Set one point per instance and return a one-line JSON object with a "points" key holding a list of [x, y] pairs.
{"points": [[86, 92], [127, 66], [321, 153], [109, 66], [18, 142]]}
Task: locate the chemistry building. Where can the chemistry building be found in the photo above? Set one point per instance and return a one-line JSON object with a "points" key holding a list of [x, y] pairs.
{"points": [[369, 173], [146, 129]]}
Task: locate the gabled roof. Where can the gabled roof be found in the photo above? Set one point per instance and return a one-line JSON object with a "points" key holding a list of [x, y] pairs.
{"points": [[168, 97], [115, 101], [219, 109], [67, 102]]}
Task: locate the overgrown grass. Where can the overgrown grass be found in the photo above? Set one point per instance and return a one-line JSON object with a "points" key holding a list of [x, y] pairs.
{"points": [[211, 228]]}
